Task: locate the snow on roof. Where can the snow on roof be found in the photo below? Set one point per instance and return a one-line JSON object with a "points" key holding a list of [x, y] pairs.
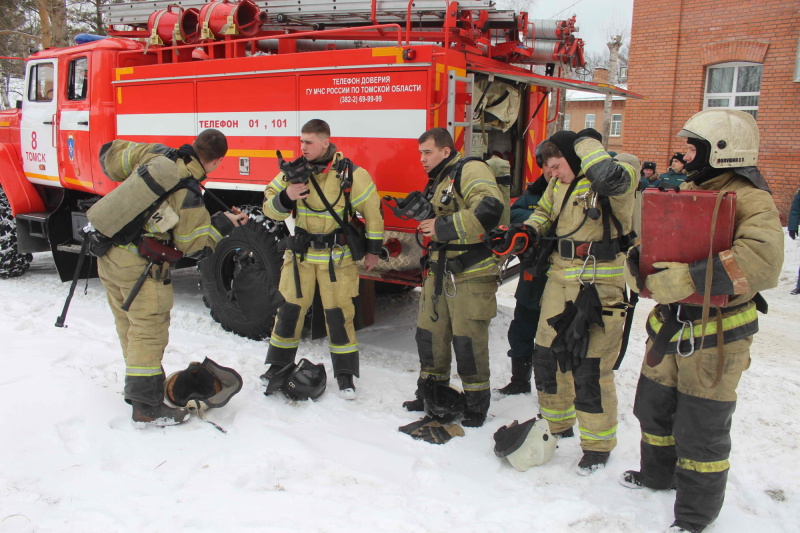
{"points": [[583, 96]]}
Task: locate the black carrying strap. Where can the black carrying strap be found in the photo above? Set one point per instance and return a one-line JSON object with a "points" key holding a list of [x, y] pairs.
{"points": [[335, 216], [84, 250], [548, 240], [626, 330]]}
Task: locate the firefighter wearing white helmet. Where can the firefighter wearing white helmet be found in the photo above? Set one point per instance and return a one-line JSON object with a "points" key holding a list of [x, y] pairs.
{"points": [[685, 404]]}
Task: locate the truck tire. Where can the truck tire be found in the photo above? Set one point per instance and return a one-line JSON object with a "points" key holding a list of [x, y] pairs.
{"points": [[218, 274], [12, 263]]}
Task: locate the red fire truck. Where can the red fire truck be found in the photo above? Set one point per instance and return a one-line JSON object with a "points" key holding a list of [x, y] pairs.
{"points": [[380, 72]]}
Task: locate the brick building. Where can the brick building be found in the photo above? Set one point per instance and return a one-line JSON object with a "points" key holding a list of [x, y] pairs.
{"points": [[689, 56]]}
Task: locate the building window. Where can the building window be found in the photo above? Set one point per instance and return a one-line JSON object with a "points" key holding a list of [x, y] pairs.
{"points": [[589, 121], [616, 125], [734, 86], [566, 121]]}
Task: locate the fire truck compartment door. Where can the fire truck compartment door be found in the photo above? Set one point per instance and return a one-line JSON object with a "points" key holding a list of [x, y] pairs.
{"points": [[551, 82], [39, 123]]}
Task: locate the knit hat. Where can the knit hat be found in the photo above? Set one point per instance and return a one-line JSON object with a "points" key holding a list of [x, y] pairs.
{"points": [[565, 140]]}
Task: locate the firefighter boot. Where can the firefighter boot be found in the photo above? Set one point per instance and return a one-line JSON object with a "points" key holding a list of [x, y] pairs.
{"points": [[679, 526], [521, 370], [592, 462], [417, 404], [345, 368], [477, 408], [158, 415]]}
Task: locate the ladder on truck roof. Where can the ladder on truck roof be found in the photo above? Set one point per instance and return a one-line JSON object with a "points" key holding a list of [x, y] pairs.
{"points": [[322, 12], [472, 26]]}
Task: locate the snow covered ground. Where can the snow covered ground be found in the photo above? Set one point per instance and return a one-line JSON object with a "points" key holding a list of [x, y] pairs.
{"points": [[72, 461]]}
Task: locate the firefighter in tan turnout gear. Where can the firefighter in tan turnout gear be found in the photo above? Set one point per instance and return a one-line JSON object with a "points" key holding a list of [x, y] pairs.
{"points": [[318, 252], [458, 294], [685, 404], [583, 228], [182, 222]]}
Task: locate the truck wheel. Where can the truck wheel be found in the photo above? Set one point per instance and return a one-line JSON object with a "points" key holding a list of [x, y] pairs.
{"points": [[12, 263], [253, 245]]}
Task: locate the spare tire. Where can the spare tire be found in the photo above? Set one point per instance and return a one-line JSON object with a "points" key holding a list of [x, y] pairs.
{"points": [[12, 263], [255, 244]]}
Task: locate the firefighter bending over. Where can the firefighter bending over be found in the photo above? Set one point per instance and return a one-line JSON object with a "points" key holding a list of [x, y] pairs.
{"points": [[181, 222], [323, 188], [458, 293], [583, 227], [685, 404]]}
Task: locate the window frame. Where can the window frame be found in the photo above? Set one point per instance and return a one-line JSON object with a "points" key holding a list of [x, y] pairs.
{"points": [[732, 95], [71, 79], [34, 91], [586, 123], [617, 123]]}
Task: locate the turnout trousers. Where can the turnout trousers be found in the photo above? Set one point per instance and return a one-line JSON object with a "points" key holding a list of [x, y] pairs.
{"points": [[587, 393], [337, 301], [459, 318], [686, 426], [144, 329]]}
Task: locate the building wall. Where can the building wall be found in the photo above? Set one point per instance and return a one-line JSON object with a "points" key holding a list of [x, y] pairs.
{"points": [[672, 44], [577, 111]]}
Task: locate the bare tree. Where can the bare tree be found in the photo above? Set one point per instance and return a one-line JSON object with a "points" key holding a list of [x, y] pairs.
{"points": [[613, 48]]}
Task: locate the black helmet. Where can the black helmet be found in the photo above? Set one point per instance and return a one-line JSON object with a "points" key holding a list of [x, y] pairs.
{"points": [[442, 401], [205, 385], [306, 382]]}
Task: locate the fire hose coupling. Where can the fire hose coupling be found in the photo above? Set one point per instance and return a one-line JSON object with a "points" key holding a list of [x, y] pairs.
{"points": [[391, 248]]}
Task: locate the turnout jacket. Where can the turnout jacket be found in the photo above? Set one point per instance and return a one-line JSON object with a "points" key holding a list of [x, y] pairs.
{"points": [[183, 218], [468, 215], [313, 217], [599, 175], [752, 264]]}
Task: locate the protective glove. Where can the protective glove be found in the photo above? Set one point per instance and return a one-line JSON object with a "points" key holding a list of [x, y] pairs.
{"points": [[437, 433], [792, 234], [513, 239], [591, 133], [588, 311], [630, 270], [560, 323], [408, 429], [672, 284]]}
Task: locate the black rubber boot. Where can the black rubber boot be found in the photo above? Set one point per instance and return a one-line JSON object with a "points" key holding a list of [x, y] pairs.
{"points": [[158, 415], [347, 388], [521, 370], [477, 408], [592, 462], [679, 526]]}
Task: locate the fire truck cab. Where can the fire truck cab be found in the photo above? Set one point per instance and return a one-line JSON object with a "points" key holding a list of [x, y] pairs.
{"points": [[380, 75]]}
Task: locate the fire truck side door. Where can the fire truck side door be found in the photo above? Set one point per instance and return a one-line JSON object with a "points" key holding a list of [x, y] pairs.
{"points": [[73, 132], [39, 122]]}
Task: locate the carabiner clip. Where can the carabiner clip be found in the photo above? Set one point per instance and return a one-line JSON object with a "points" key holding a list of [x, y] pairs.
{"points": [[583, 269], [684, 324], [455, 289], [338, 261]]}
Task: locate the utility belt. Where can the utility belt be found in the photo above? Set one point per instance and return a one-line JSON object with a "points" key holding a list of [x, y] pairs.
{"points": [[674, 328], [571, 249], [473, 254], [302, 240]]}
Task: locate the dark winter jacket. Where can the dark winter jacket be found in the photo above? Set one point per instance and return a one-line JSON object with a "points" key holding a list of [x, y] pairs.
{"points": [[794, 213], [670, 179], [522, 208]]}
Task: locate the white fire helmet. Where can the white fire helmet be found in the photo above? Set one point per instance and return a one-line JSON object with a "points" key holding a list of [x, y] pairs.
{"points": [[525, 445], [731, 134]]}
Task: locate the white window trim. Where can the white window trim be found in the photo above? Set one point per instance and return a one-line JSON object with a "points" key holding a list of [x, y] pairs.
{"points": [[586, 123], [731, 96], [618, 123]]}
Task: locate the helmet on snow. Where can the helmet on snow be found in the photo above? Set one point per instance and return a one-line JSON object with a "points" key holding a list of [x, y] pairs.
{"points": [[306, 381], [525, 445], [442, 401], [202, 385], [732, 136]]}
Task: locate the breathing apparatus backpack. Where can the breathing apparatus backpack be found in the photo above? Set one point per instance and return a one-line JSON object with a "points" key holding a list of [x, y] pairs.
{"points": [[118, 217]]}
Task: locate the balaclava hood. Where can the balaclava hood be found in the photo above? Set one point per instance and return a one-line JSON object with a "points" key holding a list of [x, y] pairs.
{"points": [[565, 140]]}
